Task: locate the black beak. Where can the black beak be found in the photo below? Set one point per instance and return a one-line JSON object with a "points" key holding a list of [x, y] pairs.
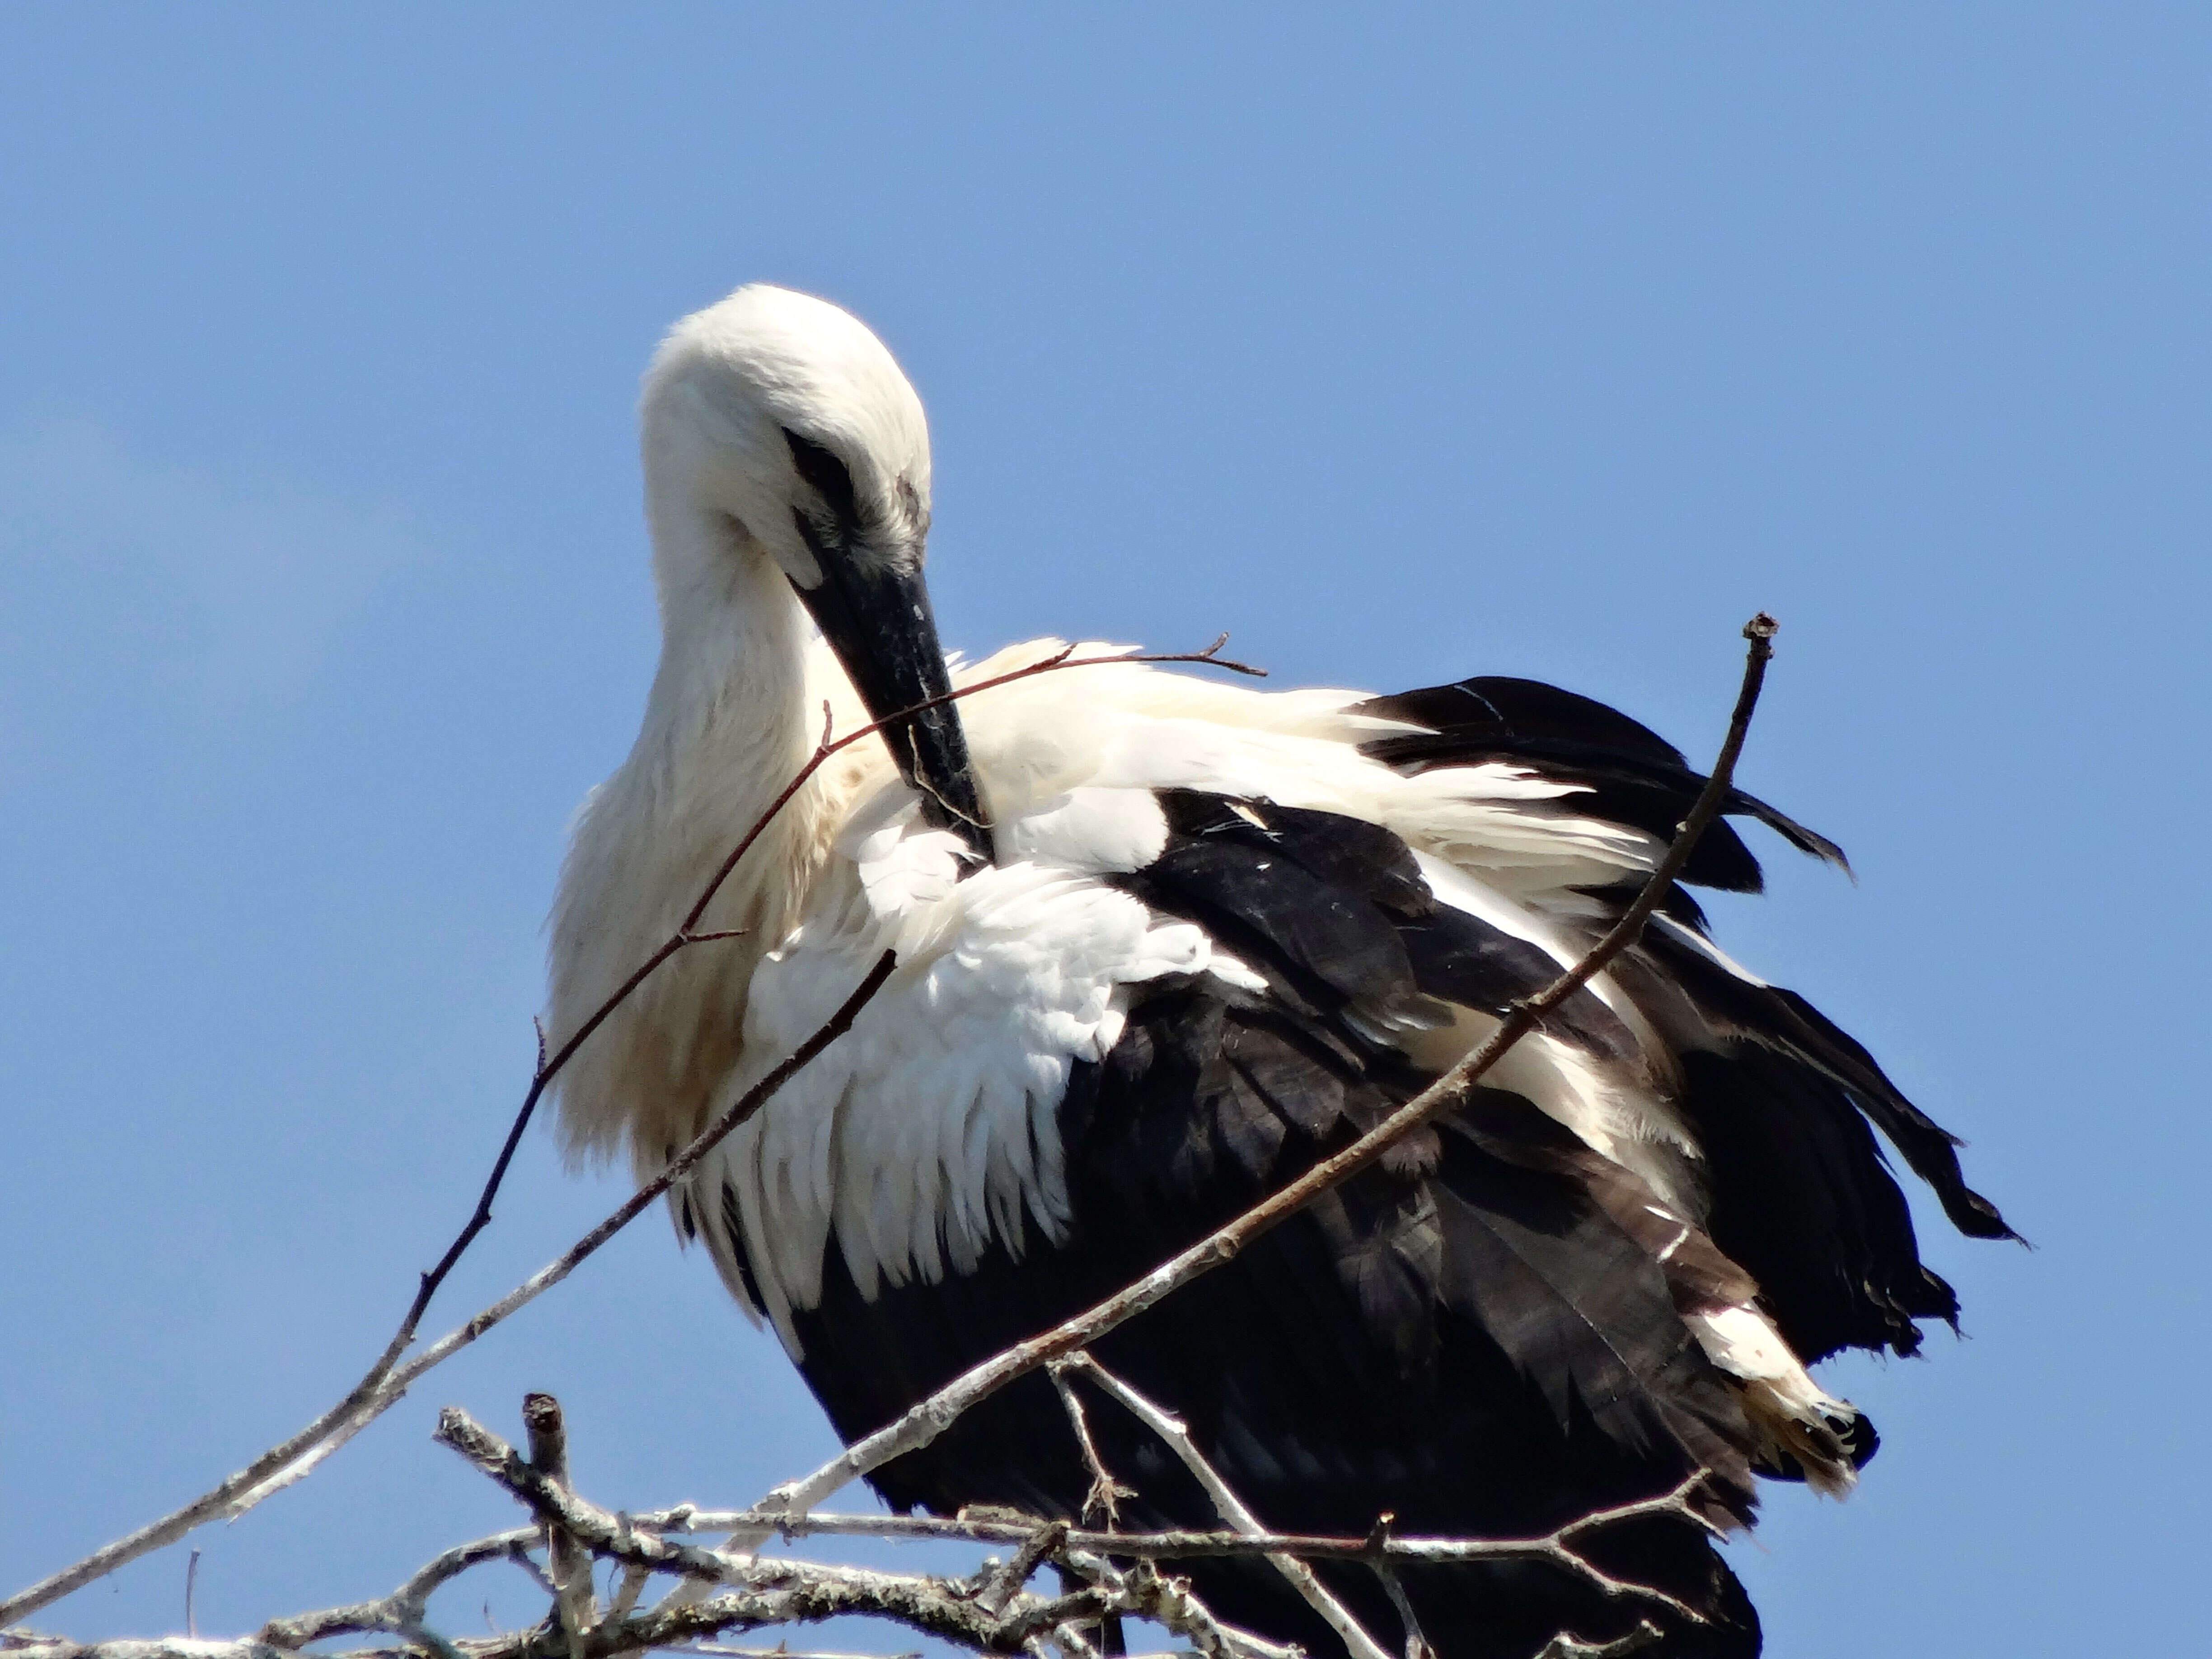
{"points": [[882, 630], [879, 623], [872, 608]]}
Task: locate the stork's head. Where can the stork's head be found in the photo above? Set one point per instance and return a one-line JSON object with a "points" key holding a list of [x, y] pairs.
{"points": [[778, 431]]}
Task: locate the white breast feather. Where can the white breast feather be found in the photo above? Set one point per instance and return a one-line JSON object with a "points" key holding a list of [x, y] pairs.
{"points": [[931, 1128]]}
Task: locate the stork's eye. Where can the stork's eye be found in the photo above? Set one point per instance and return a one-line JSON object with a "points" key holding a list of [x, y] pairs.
{"points": [[830, 477]]}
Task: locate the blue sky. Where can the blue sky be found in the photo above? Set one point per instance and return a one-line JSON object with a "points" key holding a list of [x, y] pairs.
{"points": [[1532, 340]]}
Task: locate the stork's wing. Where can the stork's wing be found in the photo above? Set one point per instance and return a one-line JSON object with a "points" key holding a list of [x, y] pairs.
{"points": [[1171, 999]]}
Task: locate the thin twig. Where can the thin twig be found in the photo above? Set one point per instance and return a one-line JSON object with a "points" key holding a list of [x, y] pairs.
{"points": [[1172, 1429], [404, 1609], [922, 1423], [681, 939], [1169, 1602], [1416, 1641], [1063, 658], [1104, 1500], [1102, 1503], [291, 1459], [1565, 1646]]}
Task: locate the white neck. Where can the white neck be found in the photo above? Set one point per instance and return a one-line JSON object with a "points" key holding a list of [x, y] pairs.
{"points": [[732, 683], [726, 727]]}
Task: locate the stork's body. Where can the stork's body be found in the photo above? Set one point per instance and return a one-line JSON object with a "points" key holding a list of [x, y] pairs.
{"points": [[1161, 943]]}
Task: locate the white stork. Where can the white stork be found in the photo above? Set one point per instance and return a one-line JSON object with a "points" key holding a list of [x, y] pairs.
{"points": [[1161, 944]]}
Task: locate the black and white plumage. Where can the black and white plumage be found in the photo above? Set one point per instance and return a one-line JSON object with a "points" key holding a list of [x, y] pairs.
{"points": [[1161, 943]]}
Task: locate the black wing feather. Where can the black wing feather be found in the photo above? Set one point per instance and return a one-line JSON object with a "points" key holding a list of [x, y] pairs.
{"points": [[1634, 776], [1399, 1347], [1335, 911], [1785, 1019], [1480, 1334]]}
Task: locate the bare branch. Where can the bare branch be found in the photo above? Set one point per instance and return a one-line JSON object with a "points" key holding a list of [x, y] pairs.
{"points": [[1042, 1545], [161, 1647], [567, 1563], [922, 1423]]}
